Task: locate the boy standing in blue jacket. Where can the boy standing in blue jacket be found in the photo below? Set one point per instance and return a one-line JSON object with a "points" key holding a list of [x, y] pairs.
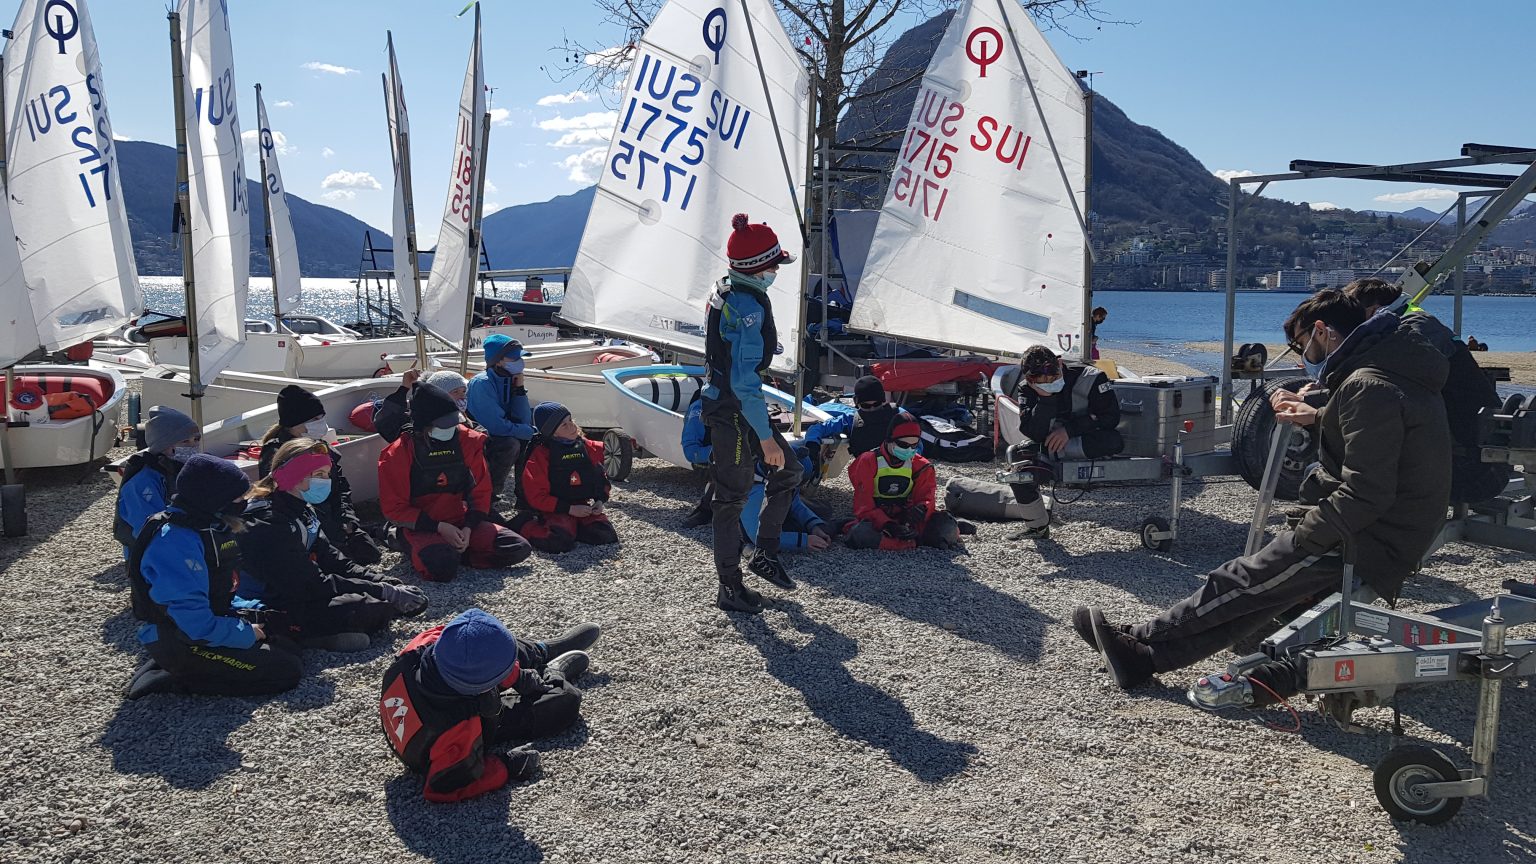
{"points": [[498, 401], [740, 342]]}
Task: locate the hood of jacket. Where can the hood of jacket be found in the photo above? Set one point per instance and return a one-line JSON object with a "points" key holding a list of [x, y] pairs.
{"points": [[1390, 345]]}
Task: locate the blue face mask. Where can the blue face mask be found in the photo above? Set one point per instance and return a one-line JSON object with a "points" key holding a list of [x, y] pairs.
{"points": [[319, 490], [1314, 369], [904, 454]]}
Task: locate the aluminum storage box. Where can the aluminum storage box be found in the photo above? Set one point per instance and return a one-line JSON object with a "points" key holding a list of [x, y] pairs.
{"points": [[1153, 411]]}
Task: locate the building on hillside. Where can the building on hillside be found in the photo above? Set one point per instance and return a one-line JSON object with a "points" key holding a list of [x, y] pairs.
{"points": [[1217, 281], [1293, 280]]}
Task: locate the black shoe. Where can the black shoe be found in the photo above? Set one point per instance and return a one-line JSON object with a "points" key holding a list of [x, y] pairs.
{"points": [[736, 597], [571, 665], [1128, 660], [698, 517], [768, 567], [1082, 623], [522, 762], [341, 643], [967, 529], [578, 638]]}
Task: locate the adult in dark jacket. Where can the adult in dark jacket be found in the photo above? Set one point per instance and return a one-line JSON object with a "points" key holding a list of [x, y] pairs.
{"points": [[1467, 390], [181, 576], [149, 476], [562, 487], [319, 596], [1382, 475], [460, 688], [498, 402], [301, 414]]}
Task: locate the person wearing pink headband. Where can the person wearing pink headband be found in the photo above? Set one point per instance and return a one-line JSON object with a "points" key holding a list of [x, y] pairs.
{"points": [[320, 597]]}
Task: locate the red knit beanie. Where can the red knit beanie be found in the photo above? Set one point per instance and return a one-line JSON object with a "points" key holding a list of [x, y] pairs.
{"points": [[753, 248]]}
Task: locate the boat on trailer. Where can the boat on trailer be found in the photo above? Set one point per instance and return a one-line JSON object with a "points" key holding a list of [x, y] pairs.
{"points": [[38, 440]]}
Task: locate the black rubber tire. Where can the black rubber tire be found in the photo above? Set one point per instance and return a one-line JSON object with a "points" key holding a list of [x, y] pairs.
{"points": [[1512, 403], [13, 510], [1145, 529], [1404, 767], [1251, 430], [618, 455]]}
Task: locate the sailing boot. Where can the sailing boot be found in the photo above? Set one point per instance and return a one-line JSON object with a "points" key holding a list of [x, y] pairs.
{"points": [[571, 665], [1127, 658], [341, 643], [768, 567], [578, 638], [736, 597]]}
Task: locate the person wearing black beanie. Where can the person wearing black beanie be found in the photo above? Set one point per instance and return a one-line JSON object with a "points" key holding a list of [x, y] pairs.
{"points": [[182, 573], [301, 414]]}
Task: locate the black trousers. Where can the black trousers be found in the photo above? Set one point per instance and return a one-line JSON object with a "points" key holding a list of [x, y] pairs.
{"points": [[733, 461], [501, 452], [1237, 599], [348, 613], [546, 715], [263, 668]]}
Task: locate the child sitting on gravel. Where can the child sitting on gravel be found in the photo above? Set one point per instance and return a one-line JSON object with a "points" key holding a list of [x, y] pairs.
{"points": [[326, 600], [170, 439], [562, 485], [459, 688], [894, 495]]}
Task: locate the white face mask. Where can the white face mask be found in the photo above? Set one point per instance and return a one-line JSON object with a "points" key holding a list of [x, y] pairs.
{"points": [[442, 434], [1051, 386], [182, 453], [317, 429]]}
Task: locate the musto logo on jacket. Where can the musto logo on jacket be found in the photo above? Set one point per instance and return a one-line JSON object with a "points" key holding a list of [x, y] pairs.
{"points": [[400, 722]]}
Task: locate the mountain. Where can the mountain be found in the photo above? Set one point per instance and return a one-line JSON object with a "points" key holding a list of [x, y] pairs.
{"points": [[545, 234], [330, 241], [1421, 215]]}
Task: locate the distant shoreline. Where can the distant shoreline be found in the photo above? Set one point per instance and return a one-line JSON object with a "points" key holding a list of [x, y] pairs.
{"points": [[1521, 364]]}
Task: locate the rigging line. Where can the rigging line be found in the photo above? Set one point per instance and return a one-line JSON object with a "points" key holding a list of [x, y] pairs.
{"points": [[1404, 250], [778, 135]]}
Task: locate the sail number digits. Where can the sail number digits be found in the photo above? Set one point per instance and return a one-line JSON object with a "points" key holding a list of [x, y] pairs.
{"points": [[50, 111], [464, 172], [929, 149], [660, 140], [218, 109]]}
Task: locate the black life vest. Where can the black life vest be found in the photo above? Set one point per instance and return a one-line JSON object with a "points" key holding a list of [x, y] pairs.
{"points": [[573, 476], [869, 429], [168, 468], [438, 467], [221, 559], [413, 717]]}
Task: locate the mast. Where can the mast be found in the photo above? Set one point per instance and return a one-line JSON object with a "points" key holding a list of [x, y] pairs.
{"points": [[805, 253], [184, 205], [10, 373], [266, 209], [1087, 224], [474, 236], [394, 106]]}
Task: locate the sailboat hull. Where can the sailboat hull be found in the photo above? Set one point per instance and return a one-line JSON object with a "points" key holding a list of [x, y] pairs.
{"points": [[55, 443]]}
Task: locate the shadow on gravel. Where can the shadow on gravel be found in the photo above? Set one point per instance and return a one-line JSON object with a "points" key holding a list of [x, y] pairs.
{"points": [[184, 739], [856, 710], [121, 633], [471, 832]]}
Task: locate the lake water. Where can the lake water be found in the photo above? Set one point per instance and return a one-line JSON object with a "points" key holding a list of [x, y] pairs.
{"points": [[335, 299]]}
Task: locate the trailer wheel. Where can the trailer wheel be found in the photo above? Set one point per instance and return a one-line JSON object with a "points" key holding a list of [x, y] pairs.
{"points": [[13, 510], [618, 455], [1512, 403], [1399, 775], [1251, 431], [1155, 524]]}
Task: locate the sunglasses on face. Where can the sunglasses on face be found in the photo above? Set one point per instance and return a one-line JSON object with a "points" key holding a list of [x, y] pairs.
{"points": [[907, 442], [866, 406]]}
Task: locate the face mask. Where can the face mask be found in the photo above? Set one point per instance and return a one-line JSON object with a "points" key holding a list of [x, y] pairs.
{"points": [[442, 434], [319, 490], [1314, 369], [463, 404], [768, 279], [182, 454], [1051, 386], [316, 429], [903, 454]]}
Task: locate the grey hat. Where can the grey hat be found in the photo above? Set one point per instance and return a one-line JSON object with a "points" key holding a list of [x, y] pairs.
{"points": [[165, 427], [445, 380]]}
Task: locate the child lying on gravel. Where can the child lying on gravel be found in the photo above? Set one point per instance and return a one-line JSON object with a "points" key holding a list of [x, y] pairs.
{"points": [[460, 687]]}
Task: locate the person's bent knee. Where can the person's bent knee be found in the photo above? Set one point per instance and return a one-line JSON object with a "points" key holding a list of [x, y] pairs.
{"points": [[438, 562], [510, 548], [598, 534], [554, 541], [864, 535]]}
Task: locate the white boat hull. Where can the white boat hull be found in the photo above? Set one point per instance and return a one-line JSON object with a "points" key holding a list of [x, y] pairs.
{"points": [[231, 394], [55, 443]]}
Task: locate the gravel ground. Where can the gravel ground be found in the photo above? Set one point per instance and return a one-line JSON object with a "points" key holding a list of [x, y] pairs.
{"points": [[897, 708]]}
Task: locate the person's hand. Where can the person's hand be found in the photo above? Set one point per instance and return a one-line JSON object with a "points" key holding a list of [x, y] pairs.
{"points": [[597, 507], [1307, 388], [261, 632], [408, 600], [458, 538], [818, 540], [1284, 397], [774, 454], [410, 377], [1056, 442], [1296, 413], [580, 511], [517, 380]]}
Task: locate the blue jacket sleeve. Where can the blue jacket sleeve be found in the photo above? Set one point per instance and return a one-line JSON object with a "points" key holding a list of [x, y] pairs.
{"points": [[178, 580], [512, 420], [745, 335], [694, 447], [141, 497], [828, 430]]}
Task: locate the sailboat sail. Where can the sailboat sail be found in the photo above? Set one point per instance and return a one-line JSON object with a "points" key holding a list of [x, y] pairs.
{"points": [[220, 220], [979, 245], [285, 248], [407, 279], [66, 198], [446, 300], [18, 332], [694, 145]]}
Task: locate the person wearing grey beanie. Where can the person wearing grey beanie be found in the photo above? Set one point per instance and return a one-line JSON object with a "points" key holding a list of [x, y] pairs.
{"points": [[149, 476]]}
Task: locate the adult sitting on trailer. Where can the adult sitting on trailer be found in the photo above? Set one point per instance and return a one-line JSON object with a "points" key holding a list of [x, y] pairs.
{"points": [[1066, 411], [149, 476], [1382, 473], [1467, 390], [895, 500]]}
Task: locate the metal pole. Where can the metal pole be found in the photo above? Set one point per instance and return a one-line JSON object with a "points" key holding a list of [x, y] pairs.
{"points": [[184, 202], [266, 209], [1461, 265], [10, 380], [805, 257], [1233, 192], [474, 238], [1087, 228], [824, 361]]}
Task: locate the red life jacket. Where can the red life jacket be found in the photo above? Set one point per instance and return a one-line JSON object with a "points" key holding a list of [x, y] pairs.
{"points": [[414, 717]]}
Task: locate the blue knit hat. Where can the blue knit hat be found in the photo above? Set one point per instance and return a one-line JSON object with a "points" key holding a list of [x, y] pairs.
{"points": [[499, 347], [475, 652], [207, 484], [547, 417]]}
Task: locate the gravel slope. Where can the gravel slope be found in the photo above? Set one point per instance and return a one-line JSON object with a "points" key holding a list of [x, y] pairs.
{"points": [[898, 708]]}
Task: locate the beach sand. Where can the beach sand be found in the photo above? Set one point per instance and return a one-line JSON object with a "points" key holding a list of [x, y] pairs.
{"points": [[1521, 364]]}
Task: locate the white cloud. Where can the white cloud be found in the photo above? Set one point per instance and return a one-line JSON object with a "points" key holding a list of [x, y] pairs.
{"points": [[279, 141], [328, 68], [1324, 205], [603, 120], [120, 137], [491, 207], [350, 180], [524, 165], [607, 55], [490, 188], [585, 166], [339, 195], [572, 98], [1417, 196], [499, 116], [583, 138], [286, 103], [326, 152], [1226, 174]]}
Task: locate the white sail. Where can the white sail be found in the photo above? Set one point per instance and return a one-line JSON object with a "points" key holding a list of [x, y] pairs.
{"points": [[66, 198], [446, 301], [220, 217], [407, 279], [18, 332], [285, 248], [694, 145], [979, 245]]}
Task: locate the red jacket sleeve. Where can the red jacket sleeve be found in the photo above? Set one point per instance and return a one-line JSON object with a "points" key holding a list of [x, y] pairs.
{"points": [[862, 475], [535, 482], [395, 484], [924, 486], [474, 456], [458, 766]]}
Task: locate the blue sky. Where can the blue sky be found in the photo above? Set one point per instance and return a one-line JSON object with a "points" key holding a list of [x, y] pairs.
{"points": [[1244, 86]]}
